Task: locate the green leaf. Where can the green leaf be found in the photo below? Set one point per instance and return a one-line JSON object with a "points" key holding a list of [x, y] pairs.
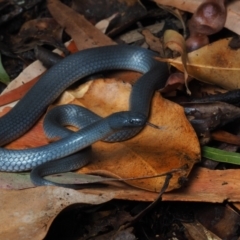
{"points": [[4, 78], [221, 155]]}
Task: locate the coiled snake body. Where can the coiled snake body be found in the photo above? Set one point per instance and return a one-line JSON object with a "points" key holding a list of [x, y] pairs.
{"points": [[74, 67]]}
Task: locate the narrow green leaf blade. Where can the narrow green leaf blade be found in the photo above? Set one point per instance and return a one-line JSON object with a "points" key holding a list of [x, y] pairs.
{"points": [[221, 155], [4, 78]]}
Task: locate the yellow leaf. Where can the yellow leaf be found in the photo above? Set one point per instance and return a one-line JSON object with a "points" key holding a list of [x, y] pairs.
{"points": [[215, 63]]}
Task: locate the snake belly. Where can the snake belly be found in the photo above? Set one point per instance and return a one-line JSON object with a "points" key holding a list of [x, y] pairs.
{"points": [[72, 68]]}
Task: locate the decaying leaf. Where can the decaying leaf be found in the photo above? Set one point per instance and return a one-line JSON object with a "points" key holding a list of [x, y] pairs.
{"points": [[128, 10], [82, 32], [101, 222], [176, 42], [19, 221], [153, 151], [153, 42], [226, 137], [206, 117], [226, 219], [215, 63], [206, 185], [39, 31], [135, 35], [175, 81], [28, 77], [46, 202], [197, 231]]}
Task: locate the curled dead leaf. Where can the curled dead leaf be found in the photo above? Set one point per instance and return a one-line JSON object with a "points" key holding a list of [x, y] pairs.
{"points": [[176, 42]]}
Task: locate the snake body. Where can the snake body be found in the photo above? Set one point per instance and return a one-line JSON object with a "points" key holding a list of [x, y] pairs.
{"points": [[74, 67], [117, 127]]}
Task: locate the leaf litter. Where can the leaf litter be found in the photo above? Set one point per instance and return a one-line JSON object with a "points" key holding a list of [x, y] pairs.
{"points": [[200, 179]]}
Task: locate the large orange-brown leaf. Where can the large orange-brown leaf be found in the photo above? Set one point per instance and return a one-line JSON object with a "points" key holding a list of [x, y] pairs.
{"points": [[153, 151]]}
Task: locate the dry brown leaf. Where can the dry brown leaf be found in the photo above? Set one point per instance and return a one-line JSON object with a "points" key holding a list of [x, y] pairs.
{"points": [[128, 10], [22, 218], [82, 32], [208, 116], [151, 152], [226, 220], [226, 137], [233, 10], [153, 42], [203, 185], [176, 42], [215, 63], [197, 231], [175, 81], [135, 35], [36, 216], [38, 31]]}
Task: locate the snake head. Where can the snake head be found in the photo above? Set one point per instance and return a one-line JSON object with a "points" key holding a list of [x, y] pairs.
{"points": [[128, 119]]}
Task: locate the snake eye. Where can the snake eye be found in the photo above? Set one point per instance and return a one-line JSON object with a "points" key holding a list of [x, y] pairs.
{"points": [[138, 121], [135, 121], [132, 121]]}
